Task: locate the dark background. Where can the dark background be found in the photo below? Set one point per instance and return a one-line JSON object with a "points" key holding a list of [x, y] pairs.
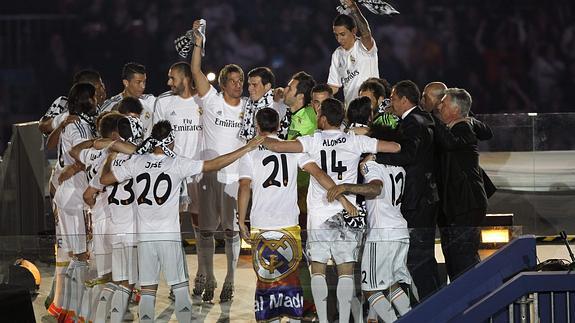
{"points": [[513, 56]]}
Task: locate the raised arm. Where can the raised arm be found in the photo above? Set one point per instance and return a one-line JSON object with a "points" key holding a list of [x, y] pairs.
{"points": [[287, 146], [244, 195], [54, 136], [224, 160], [327, 182], [200, 80], [361, 23]]}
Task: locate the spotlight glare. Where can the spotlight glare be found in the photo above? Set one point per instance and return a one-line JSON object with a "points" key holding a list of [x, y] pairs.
{"points": [[211, 76]]}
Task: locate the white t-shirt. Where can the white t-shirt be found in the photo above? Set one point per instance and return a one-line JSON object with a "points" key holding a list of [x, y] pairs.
{"points": [[222, 123], [157, 181], [350, 68], [274, 186], [147, 115], [384, 218], [69, 194], [185, 117], [338, 154]]}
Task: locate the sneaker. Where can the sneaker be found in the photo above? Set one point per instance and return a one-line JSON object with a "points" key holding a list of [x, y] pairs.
{"points": [[227, 292], [208, 295], [199, 285]]}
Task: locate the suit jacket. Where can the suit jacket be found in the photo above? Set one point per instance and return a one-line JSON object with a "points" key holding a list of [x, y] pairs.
{"points": [[461, 177], [417, 158]]}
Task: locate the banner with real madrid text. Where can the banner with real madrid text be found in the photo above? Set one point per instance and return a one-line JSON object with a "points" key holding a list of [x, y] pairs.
{"points": [[276, 255]]}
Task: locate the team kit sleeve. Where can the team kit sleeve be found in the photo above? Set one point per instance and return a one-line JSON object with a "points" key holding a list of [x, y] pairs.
{"points": [[209, 99], [124, 172], [372, 172], [365, 51], [188, 167], [307, 143], [157, 111], [366, 144], [333, 78], [246, 167], [304, 159]]}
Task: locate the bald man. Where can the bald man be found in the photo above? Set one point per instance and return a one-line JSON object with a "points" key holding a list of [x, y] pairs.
{"points": [[431, 96]]}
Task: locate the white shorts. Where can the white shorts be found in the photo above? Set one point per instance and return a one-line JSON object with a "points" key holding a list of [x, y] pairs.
{"points": [[125, 263], [165, 256], [189, 196], [324, 243], [73, 229], [383, 264], [102, 247], [218, 204]]}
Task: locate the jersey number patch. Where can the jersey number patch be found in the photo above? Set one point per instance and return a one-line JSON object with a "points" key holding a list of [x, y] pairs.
{"points": [[271, 180], [145, 177]]}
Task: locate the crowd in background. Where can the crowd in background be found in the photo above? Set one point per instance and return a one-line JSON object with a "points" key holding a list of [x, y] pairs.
{"points": [[513, 56]]}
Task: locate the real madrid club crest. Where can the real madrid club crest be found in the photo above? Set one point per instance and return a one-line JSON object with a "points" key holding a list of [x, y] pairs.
{"points": [[352, 59], [276, 255], [147, 115]]}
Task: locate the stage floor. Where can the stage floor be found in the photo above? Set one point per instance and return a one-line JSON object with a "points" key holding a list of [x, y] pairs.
{"points": [[240, 309]]}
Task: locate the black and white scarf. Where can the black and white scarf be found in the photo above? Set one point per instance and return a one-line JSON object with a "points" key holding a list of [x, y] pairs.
{"points": [[185, 43], [377, 7], [342, 220], [137, 130], [150, 143], [248, 130], [90, 120]]}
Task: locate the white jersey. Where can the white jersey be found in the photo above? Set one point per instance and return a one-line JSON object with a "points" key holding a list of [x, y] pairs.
{"points": [[147, 115], [185, 117], [350, 68], [222, 123], [69, 194], [94, 160], [274, 186], [384, 218], [157, 181], [338, 154]]}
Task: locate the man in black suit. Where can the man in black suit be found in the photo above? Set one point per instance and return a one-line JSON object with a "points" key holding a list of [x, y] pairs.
{"points": [[420, 192], [463, 197]]}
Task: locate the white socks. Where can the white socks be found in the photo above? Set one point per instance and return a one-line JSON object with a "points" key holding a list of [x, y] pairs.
{"points": [[382, 307], [104, 301], [319, 292], [400, 301], [119, 304], [147, 304], [232, 255], [345, 293], [183, 303]]}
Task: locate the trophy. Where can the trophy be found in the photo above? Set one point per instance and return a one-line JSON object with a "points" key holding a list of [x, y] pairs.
{"points": [[185, 43], [377, 7]]}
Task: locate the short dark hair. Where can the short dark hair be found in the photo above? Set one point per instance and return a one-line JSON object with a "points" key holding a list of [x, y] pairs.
{"points": [[86, 76], [109, 124], [124, 128], [265, 73], [129, 105], [322, 87], [408, 89], [225, 73], [132, 68], [304, 86], [359, 110], [332, 109], [161, 130], [344, 20], [375, 87], [268, 120], [79, 98], [384, 83], [184, 68]]}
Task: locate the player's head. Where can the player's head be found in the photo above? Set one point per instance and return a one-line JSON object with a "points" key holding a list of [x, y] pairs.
{"points": [[130, 106], [92, 77], [134, 79], [267, 121], [231, 80], [374, 91], [359, 111], [180, 78], [431, 96], [82, 99], [319, 93], [161, 131], [108, 124], [260, 81], [344, 30], [330, 114], [455, 104], [298, 90], [404, 96]]}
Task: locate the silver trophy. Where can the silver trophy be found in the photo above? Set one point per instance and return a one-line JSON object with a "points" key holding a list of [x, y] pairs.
{"points": [[185, 43], [377, 7]]}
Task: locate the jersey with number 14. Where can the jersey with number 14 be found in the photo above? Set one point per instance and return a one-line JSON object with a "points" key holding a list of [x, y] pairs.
{"points": [[338, 154], [157, 180]]}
